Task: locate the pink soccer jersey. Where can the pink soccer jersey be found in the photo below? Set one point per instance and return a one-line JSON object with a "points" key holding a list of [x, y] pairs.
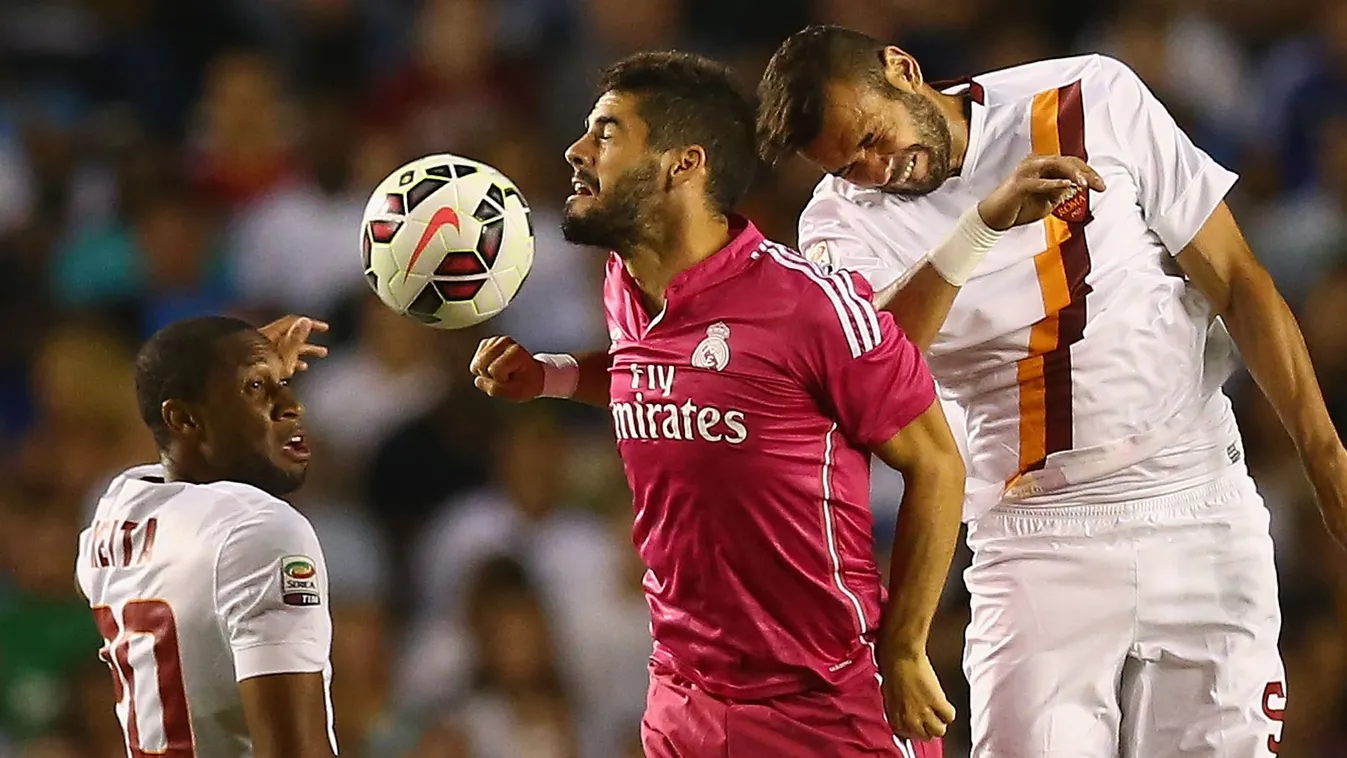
{"points": [[744, 413]]}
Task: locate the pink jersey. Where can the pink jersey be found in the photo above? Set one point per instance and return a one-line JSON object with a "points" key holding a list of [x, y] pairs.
{"points": [[744, 413]]}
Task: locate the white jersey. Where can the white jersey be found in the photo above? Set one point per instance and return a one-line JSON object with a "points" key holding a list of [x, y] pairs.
{"points": [[1088, 368], [196, 587]]}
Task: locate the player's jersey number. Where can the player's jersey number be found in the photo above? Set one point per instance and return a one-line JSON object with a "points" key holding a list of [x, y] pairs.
{"points": [[142, 652]]}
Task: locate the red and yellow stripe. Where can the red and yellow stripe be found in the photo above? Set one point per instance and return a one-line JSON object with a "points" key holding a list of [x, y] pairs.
{"points": [[1057, 128]]}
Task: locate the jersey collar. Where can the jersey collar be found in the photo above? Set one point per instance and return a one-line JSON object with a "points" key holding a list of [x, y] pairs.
{"points": [[745, 239]]}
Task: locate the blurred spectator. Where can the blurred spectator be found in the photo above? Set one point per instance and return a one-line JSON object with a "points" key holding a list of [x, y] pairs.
{"points": [[245, 132], [46, 629], [162, 267], [517, 706], [88, 427], [390, 375], [1303, 78], [453, 91], [287, 246], [1300, 236]]}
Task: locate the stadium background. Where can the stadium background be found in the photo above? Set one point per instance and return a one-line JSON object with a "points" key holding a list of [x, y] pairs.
{"points": [[166, 158]]}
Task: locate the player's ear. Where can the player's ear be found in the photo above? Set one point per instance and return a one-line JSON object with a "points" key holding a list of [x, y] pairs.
{"points": [[686, 164], [179, 418], [901, 69]]}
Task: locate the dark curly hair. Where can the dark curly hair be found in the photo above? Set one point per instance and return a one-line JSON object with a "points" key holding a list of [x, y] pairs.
{"points": [[687, 100]]}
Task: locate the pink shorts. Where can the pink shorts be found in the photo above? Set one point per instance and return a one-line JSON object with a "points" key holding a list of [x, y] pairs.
{"points": [[683, 721]]}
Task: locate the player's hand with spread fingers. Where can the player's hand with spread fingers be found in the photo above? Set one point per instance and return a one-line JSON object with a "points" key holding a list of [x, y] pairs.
{"points": [[502, 368], [291, 335], [1038, 185], [913, 699]]}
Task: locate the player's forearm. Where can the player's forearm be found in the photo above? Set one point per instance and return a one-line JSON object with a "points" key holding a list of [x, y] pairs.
{"points": [[923, 547], [1273, 348], [592, 388], [919, 303]]}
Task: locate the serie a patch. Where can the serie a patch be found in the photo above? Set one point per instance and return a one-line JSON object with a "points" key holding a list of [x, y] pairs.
{"points": [[299, 581]]}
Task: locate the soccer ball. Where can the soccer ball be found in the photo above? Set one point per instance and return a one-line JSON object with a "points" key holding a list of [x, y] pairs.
{"points": [[447, 241]]}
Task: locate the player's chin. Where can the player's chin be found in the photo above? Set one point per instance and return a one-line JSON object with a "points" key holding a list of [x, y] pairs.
{"points": [[914, 187], [288, 477], [579, 205]]}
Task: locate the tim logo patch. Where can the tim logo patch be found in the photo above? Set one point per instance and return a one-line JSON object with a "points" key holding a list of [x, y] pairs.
{"points": [[299, 581]]}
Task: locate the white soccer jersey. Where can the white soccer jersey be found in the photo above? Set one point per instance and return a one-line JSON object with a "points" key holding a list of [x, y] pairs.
{"points": [[1088, 367], [196, 587]]}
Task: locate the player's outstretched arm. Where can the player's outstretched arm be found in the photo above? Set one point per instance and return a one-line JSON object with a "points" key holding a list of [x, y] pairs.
{"points": [[286, 715], [921, 301], [502, 368], [1220, 264], [928, 529]]}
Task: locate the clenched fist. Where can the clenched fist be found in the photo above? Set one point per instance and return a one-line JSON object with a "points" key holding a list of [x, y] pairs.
{"points": [[502, 368], [915, 703], [1039, 184]]}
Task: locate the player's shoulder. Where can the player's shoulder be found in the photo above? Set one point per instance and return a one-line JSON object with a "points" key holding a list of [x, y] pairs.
{"points": [[816, 291], [833, 200], [240, 504], [1010, 87]]}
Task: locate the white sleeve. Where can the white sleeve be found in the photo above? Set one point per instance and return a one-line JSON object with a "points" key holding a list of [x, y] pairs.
{"points": [[271, 595], [832, 243], [1179, 184]]}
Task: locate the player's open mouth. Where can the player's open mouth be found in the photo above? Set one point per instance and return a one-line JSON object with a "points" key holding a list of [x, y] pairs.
{"points": [[901, 171], [580, 189], [296, 449]]}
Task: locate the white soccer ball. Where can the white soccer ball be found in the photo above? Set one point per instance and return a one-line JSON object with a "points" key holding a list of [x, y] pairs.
{"points": [[446, 240]]}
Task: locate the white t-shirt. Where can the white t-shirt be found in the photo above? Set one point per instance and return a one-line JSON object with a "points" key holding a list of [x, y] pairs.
{"points": [[1087, 366], [196, 587]]}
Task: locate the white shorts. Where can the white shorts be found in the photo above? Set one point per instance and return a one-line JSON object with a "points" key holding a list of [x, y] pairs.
{"points": [[1142, 630]]}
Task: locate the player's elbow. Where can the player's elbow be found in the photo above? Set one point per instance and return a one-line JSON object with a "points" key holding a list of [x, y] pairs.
{"points": [[925, 451]]}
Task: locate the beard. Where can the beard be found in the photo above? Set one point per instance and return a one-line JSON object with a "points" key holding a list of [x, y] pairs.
{"points": [[252, 466], [618, 217], [933, 139]]}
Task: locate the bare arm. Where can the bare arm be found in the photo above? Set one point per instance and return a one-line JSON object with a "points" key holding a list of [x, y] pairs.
{"points": [[920, 302], [925, 453], [928, 527], [286, 715], [1220, 264]]}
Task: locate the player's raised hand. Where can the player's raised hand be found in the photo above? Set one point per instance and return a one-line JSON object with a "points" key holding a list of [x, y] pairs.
{"points": [[502, 368], [1040, 184], [915, 703], [291, 335]]}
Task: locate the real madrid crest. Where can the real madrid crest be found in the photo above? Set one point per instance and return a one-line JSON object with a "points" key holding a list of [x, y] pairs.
{"points": [[713, 352]]}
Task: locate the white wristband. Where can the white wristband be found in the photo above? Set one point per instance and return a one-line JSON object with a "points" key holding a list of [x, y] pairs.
{"points": [[561, 374], [957, 257]]}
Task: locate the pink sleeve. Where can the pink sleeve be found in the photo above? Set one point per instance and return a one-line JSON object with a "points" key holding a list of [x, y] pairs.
{"points": [[860, 365]]}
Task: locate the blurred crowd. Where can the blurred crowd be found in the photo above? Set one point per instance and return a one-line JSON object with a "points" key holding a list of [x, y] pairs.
{"points": [[161, 158]]}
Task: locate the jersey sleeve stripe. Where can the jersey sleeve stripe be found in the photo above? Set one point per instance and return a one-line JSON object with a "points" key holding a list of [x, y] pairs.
{"points": [[855, 328], [866, 307]]}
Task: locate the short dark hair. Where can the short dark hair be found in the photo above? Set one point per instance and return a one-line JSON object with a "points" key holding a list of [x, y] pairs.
{"points": [[792, 92], [175, 364], [685, 100]]}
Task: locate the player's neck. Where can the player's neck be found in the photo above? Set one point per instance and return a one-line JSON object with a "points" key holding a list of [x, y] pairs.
{"points": [[957, 111], [653, 266]]}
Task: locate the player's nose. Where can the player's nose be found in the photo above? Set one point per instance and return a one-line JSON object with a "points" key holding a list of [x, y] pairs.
{"points": [[287, 405], [576, 154]]}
